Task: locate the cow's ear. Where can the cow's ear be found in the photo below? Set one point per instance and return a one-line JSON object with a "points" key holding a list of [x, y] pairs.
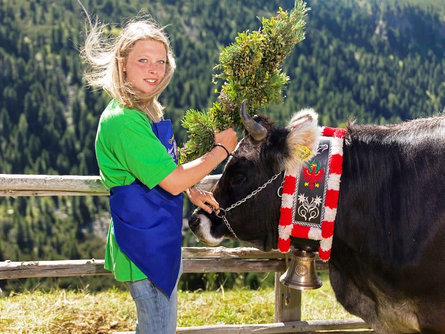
{"points": [[302, 140]]}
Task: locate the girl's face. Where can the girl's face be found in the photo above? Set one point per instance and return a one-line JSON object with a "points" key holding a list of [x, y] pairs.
{"points": [[145, 65]]}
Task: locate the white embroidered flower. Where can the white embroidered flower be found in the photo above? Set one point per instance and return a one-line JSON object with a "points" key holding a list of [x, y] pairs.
{"points": [[302, 198]]}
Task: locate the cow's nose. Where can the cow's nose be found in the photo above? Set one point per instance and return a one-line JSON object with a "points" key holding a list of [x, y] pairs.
{"points": [[194, 221]]}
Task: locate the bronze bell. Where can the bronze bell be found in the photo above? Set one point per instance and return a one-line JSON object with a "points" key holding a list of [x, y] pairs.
{"points": [[301, 273]]}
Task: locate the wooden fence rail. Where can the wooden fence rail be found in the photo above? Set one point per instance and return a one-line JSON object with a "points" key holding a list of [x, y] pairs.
{"points": [[196, 260], [61, 185]]}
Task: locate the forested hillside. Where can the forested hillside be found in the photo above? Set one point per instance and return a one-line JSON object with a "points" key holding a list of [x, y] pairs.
{"points": [[374, 61]]}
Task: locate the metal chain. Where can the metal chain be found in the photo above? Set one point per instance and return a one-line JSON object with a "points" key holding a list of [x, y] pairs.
{"points": [[253, 193], [222, 212], [226, 222]]}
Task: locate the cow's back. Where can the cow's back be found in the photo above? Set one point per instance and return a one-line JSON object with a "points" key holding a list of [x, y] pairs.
{"points": [[388, 256]]}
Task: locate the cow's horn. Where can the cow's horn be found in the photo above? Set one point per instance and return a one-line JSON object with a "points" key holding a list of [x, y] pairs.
{"points": [[255, 129]]}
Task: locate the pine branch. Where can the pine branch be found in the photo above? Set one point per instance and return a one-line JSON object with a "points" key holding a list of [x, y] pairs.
{"points": [[201, 128], [251, 70]]}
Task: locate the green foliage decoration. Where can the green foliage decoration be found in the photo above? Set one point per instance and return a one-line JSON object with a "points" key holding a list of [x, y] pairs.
{"points": [[251, 70]]}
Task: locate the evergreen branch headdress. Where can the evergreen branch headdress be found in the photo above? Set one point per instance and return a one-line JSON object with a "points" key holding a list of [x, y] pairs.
{"points": [[251, 70]]}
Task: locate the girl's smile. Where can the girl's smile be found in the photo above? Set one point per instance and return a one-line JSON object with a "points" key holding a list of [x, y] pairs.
{"points": [[146, 64]]}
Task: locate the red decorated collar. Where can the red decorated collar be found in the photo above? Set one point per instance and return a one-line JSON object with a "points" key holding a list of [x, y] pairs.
{"points": [[310, 195]]}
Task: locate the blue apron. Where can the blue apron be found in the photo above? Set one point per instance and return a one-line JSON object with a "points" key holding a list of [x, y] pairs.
{"points": [[148, 223]]}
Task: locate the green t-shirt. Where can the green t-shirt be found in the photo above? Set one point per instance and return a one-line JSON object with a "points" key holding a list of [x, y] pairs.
{"points": [[127, 149]]}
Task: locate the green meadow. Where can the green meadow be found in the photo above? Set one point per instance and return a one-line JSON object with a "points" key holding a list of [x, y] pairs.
{"points": [[63, 311]]}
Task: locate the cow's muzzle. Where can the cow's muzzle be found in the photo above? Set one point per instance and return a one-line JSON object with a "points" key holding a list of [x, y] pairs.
{"points": [[201, 226]]}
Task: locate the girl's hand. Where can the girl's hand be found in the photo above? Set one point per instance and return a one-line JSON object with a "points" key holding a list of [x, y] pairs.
{"points": [[202, 199], [227, 138]]}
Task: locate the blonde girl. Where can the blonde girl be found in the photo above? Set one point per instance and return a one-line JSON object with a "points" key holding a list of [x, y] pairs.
{"points": [[137, 158]]}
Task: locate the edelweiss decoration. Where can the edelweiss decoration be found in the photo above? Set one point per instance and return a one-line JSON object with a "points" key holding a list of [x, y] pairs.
{"points": [[310, 196]]}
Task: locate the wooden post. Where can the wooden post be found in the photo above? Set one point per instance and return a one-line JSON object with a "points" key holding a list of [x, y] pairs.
{"points": [[287, 302]]}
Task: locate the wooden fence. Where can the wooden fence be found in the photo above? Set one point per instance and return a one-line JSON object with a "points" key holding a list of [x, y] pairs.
{"points": [[287, 315]]}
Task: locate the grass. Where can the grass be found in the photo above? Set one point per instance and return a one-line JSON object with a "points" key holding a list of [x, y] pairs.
{"points": [[62, 311]]}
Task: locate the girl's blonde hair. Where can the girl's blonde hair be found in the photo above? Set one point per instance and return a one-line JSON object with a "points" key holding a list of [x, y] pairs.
{"points": [[106, 56]]}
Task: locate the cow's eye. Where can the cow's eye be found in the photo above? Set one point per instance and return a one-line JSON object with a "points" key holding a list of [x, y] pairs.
{"points": [[237, 179]]}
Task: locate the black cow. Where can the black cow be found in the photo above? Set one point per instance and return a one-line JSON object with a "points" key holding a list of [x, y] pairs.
{"points": [[387, 263]]}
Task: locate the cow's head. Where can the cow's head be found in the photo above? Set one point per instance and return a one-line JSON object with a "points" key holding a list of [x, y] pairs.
{"points": [[265, 151]]}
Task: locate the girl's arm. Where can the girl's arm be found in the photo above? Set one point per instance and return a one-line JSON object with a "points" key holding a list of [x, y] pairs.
{"points": [[187, 175]]}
